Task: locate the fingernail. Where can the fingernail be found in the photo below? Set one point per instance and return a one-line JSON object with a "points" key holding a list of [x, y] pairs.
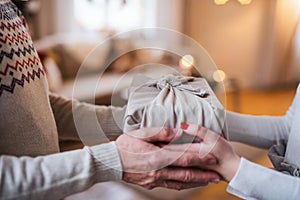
{"points": [[189, 128], [184, 126], [216, 180]]}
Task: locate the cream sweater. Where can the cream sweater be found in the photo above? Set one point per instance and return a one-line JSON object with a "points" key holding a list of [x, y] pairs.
{"points": [[32, 121]]}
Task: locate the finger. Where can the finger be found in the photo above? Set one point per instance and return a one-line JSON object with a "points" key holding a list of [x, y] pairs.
{"points": [[188, 175], [149, 161], [195, 130], [166, 135], [192, 147], [186, 155], [162, 158], [209, 138], [189, 150], [203, 133], [177, 185], [161, 134], [192, 159]]}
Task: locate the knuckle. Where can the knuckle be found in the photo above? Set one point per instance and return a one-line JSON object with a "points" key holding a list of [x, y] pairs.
{"points": [[184, 162], [188, 176], [153, 176], [187, 159], [168, 133], [165, 133], [151, 180], [156, 175], [148, 181], [153, 162]]}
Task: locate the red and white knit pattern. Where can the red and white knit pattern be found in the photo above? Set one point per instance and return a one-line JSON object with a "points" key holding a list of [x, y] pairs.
{"points": [[19, 62]]}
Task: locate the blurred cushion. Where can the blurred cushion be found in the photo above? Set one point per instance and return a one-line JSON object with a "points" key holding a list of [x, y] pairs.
{"points": [[72, 49], [53, 74]]}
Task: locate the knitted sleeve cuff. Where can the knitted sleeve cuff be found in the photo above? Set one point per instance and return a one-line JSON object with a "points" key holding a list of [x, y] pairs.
{"points": [[106, 163]]}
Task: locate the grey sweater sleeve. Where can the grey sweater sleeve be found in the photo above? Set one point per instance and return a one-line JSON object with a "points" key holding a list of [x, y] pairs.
{"points": [[253, 181], [87, 122], [58, 175], [259, 131]]}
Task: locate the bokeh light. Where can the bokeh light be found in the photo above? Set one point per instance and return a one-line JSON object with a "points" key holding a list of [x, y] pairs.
{"points": [[187, 61], [219, 76]]}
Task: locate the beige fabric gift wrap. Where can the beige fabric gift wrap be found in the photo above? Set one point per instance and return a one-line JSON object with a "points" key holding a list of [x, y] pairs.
{"points": [[171, 100]]}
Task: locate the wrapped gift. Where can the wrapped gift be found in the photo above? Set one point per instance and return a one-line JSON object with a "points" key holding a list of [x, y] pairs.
{"points": [[171, 100]]}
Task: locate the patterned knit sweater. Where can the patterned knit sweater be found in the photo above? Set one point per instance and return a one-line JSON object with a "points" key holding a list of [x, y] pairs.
{"points": [[32, 121]]}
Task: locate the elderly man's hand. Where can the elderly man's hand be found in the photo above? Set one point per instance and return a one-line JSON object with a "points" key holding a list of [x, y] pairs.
{"points": [[149, 165]]}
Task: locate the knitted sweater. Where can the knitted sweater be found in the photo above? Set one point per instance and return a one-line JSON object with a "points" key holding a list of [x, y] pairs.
{"points": [[32, 121]]}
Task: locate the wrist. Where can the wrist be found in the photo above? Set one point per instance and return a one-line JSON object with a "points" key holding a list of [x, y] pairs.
{"points": [[232, 168]]}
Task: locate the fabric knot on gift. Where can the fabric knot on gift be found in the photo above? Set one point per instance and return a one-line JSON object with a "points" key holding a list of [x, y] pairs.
{"points": [[171, 100], [180, 82]]}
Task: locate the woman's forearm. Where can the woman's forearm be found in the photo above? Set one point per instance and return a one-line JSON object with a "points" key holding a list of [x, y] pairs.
{"points": [[259, 131]]}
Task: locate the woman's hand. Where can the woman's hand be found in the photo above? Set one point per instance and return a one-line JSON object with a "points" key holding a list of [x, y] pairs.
{"points": [[212, 143], [150, 166]]}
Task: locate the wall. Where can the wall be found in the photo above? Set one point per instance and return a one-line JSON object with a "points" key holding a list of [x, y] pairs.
{"points": [[56, 16], [237, 37], [286, 49], [169, 14], [251, 43]]}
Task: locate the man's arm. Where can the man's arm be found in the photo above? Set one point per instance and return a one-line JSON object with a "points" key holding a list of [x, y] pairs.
{"points": [[58, 175], [107, 126]]}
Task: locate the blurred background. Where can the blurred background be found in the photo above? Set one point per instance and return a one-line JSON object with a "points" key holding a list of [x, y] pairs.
{"points": [[255, 45]]}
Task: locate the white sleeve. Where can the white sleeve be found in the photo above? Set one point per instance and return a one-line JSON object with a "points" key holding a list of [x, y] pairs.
{"points": [[253, 181], [58, 175]]}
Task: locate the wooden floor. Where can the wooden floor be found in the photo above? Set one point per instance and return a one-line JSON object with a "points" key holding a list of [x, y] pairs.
{"points": [[274, 102]]}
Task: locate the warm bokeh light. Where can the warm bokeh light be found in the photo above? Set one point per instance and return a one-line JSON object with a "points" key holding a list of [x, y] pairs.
{"points": [[244, 2], [187, 61], [219, 75], [220, 2]]}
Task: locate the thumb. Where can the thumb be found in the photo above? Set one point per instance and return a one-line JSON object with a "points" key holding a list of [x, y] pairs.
{"points": [[161, 134]]}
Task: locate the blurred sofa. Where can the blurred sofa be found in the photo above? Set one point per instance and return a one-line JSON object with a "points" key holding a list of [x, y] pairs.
{"points": [[81, 65]]}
